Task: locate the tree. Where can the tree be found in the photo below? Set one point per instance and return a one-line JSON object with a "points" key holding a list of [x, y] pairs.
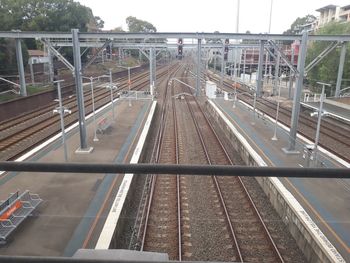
{"points": [[297, 25], [327, 69], [44, 15], [136, 25]]}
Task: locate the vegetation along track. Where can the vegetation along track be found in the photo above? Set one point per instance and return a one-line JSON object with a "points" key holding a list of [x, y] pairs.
{"points": [[334, 138]]}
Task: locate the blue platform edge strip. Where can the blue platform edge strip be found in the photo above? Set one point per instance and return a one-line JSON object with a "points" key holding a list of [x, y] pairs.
{"points": [[84, 226]]}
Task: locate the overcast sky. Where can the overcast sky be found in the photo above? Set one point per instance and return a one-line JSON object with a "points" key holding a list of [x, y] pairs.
{"points": [[207, 16]]}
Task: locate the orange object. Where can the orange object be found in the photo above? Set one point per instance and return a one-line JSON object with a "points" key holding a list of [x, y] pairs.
{"points": [[236, 85], [16, 205]]}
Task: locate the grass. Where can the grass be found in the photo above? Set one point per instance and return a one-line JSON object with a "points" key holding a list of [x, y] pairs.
{"points": [[31, 89]]}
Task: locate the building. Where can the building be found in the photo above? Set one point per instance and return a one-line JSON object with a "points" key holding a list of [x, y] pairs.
{"points": [[333, 13]]}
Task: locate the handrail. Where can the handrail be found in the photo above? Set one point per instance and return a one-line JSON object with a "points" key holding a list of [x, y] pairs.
{"points": [[173, 169]]}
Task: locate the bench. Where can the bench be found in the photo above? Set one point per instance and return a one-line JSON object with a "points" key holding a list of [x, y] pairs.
{"points": [[103, 125], [14, 210]]}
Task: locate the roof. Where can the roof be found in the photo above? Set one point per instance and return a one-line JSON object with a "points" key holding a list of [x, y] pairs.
{"points": [[36, 53], [327, 7]]}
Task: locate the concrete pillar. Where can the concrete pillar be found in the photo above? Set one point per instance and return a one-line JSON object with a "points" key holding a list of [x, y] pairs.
{"points": [[79, 88], [19, 56], [297, 94], [340, 69], [259, 80]]}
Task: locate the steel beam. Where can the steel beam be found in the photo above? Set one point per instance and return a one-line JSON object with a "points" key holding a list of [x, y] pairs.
{"points": [[340, 70], [79, 89], [59, 55], [198, 78], [297, 94], [19, 56], [93, 58], [259, 80], [321, 56], [283, 56], [175, 35]]}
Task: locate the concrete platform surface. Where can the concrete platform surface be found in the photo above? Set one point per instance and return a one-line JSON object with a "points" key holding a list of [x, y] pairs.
{"points": [[61, 224], [326, 200]]}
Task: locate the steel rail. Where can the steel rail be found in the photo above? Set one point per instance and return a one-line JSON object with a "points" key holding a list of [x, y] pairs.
{"points": [[159, 140], [236, 246], [268, 235]]}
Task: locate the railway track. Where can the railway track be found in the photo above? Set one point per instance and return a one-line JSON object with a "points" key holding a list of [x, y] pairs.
{"points": [[225, 224], [334, 138], [23, 133]]}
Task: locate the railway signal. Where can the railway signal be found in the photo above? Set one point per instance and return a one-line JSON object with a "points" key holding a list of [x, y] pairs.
{"points": [[227, 42], [179, 48]]}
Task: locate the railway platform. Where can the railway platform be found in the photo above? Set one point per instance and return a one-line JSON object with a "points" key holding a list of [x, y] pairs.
{"points": [[74, 205], [323, 199], [335, 108]]}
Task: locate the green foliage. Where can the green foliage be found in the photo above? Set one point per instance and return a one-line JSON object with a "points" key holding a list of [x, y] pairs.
{"points": [[41, 15], [136, 25], [327, 69], [8, 62], [298, 23]]}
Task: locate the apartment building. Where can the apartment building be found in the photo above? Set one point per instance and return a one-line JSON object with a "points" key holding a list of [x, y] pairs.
{"points": [[332, 13]]}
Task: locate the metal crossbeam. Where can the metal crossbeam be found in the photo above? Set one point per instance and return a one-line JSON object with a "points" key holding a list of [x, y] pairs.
{"points": [[321, 56], [93, 58], [283, 56], [58, 55], [98, 35]]}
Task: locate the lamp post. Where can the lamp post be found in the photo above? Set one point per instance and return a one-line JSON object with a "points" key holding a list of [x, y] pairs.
{"points": [[111, 87], [61, 110], [93, 105], [274, 137], [129, 80], [319, 120]]}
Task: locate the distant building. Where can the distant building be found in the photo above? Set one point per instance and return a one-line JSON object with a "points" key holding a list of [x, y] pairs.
{"points": [[332, 13]]}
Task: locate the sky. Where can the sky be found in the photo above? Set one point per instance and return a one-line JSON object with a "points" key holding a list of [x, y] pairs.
{"points": [[207, 16]]}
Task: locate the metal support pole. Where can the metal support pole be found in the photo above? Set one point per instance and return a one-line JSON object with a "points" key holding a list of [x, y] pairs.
{"points": [[119, 55], [151, 66], [319, 123], [31, 72], [274, 137], [61, 112], [277, 69], [222, 67], [297, 94], [22, 80], [291, 75], [244, 58], [129, 85], [49, 54], [154, 66], [215, 61], [93, 109], [259, 84], [79, 89], [198, 79], [111, 89], [235, 67], [340, 69]]}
